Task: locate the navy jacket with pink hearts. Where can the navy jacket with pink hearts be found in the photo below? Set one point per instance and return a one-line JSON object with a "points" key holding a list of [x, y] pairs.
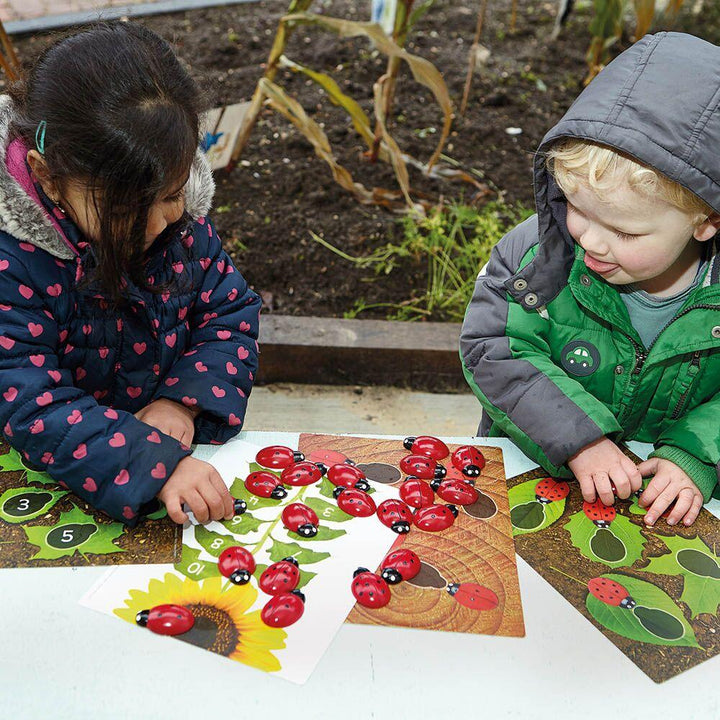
{"points": [[73, 370]]}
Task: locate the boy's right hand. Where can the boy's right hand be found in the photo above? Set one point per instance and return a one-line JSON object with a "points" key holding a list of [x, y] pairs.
{"points": [[600, 463], [198, 484]]}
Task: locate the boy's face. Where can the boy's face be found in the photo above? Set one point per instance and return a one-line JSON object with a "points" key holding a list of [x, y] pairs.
{"points": [[629, 238]]}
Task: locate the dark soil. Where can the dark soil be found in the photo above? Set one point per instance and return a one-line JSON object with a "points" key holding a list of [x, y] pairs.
{"points": [[267, 206]]}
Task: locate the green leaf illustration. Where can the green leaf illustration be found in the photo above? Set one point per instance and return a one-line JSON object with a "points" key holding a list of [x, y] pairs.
{"points": [[325, 533], [74, 532], [191, 566], [25, 503], [11, 461], [699, 567], [304, 556], [160, 513], [326, 488], [618, 545], [244, 524], [305, 577], [327, 511], [527, 514], [634, 506], [14, 461], [213, 542], [655, 619]]}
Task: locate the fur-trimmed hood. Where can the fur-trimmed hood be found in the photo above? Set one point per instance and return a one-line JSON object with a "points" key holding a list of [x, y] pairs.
{"points": [[24, 217]]}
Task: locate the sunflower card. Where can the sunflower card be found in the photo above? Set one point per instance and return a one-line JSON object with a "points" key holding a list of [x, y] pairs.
{"points": [[228, 617]]}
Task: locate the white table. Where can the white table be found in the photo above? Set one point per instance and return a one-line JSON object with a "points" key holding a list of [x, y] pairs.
{"points": [[61, 661]]}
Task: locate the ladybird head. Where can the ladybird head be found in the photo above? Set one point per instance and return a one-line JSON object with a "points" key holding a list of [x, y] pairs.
{"points": [[291, 560], [240, 577], [279, 492], [307, 530], [401, 527], [453, 510], [408, 442], [391, 576], [142, 617], [239, 506], [363, 485]]}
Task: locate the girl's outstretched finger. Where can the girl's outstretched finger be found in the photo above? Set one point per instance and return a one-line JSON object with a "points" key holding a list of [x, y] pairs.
{"points": [[228, 511], [198, 506], [175, 511], [694, 510]]}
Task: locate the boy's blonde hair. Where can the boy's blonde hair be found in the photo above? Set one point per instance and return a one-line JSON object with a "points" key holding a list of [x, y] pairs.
{"points": [[601, 168]]}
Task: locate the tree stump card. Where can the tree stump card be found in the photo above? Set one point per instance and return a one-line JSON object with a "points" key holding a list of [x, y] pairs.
{"points": [[653, 592], [42, 524], [468, 580]]}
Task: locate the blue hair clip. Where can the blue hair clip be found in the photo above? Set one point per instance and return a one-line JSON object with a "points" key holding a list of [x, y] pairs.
{"points": [[40, 136]]}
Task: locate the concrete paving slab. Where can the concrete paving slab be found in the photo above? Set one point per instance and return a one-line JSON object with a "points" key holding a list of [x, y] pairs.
{"points": [[343, 409]]}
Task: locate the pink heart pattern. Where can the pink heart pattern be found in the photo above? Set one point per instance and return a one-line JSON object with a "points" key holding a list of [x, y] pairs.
{"points": [[147, 343]]}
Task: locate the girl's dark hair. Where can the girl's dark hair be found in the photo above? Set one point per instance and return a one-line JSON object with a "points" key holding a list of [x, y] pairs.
{"points": [[122, 118]]}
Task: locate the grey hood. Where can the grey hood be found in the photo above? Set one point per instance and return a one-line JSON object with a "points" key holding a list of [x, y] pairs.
{"points": [[626, 106], [22, 217]]}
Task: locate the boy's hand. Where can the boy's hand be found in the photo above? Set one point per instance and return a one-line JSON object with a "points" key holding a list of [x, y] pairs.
{"points": [[171, 418], [601, 463], [670, 483], [198, 484]]}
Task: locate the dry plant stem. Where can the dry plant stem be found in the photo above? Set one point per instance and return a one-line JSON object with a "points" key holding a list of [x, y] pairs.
{"points": [[400, 34], [513, 16], [644, 12], [11, 65], [473, 55], [389, 80], [7, 69], [294, 112], [281, 40]]}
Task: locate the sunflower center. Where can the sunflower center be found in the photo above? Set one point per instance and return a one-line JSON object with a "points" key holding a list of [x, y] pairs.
{"points": [[213, 630]]}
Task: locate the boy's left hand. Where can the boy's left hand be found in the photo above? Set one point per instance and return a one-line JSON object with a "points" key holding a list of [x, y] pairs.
{"points": [[670, 483], [171, 418]]}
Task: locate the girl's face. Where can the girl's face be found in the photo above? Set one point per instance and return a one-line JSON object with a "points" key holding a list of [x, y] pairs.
{"points": [[79, 205], [78, 202], [630, 238]]}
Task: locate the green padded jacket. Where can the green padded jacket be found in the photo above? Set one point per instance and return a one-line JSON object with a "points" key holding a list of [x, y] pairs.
{"points": [[547, 345]]}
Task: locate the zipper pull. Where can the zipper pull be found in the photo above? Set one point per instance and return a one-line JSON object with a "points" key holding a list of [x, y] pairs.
{"points": [[640, 358]]}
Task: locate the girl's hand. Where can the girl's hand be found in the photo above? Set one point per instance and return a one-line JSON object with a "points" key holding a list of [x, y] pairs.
{"points": [[599, 466], [171, 418], [670, 483], [198, 484]]}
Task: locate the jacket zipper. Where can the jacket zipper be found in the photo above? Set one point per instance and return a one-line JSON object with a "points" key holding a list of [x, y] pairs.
{"points": [[695, 366], [641, 355]]}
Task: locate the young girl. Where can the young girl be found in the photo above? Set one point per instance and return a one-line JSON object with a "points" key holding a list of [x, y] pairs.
{"points": [[125, 331]]}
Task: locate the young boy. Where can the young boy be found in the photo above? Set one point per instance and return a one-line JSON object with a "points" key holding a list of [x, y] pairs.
{"points": [[598, 319]]}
